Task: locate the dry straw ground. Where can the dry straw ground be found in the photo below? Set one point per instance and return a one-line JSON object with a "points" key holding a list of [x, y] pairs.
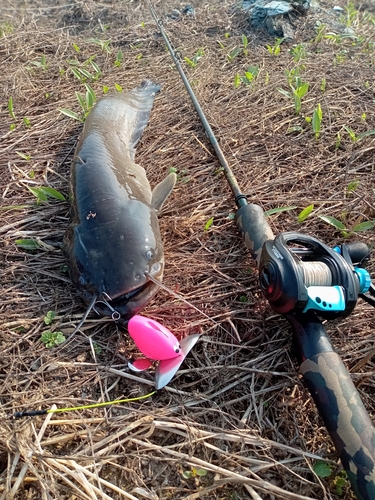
{"points": [[238, 408]]}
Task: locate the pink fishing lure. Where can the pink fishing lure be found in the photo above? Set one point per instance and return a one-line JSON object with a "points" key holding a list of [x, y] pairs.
{"points": [[153, 339]]}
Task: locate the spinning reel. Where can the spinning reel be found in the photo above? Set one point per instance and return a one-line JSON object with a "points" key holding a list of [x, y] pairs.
{"points": [[299, 273]]}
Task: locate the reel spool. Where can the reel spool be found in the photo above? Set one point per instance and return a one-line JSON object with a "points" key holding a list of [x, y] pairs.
{"points": [[298, 273]]}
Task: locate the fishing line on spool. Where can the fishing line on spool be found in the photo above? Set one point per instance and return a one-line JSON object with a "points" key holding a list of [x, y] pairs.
{"points": [[316, 274]]}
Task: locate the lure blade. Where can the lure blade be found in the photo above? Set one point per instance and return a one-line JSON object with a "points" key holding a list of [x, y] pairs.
{"points": [[153, 339], [167, 368], [140, 364]]}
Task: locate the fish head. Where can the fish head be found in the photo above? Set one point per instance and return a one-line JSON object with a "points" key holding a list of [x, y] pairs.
{"points": [[113, 257]]}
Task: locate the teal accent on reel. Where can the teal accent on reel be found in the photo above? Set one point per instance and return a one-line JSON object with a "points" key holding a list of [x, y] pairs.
{"points": [[325, 298]]}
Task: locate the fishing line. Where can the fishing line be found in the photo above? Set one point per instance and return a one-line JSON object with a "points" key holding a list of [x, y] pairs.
{"points": [[34, 413]]}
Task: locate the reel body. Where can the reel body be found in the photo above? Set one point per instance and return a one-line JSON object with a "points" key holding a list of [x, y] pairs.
{"points": [[298, 273]]}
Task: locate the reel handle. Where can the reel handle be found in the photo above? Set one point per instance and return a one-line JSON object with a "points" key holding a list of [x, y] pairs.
{"points": [[338, 402], [254, 228]]}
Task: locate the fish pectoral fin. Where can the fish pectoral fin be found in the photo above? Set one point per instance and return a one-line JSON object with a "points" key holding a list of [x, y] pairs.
{"points": [[163, 190]]}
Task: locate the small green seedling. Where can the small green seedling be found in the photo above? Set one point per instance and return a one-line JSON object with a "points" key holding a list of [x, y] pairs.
{"points": [[234, 53], [317, 120], [38, 63], [172, 170], [76, 48], [320, 32], [322, 469], [103, 44], [339, 481], [118, 87], [299, 90], [347, 232], [26, 121], [23, 156], [10, 108], [248, 77], [354, 137], [323, 84], [52, 339], [194, 472], [302, 216], [274, 50], [197, 57], [208, 224], [352, 186], [86, 104], [49, 317], [298, 52], [28, 244], [278, 210], [118, 60], [42, 194]]}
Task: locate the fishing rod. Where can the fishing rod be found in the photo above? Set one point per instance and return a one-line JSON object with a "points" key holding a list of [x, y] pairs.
{"points": [[305, 280]]}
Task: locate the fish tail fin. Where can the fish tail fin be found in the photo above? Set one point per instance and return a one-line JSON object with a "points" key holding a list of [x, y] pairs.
{"points": [[144, 95]]}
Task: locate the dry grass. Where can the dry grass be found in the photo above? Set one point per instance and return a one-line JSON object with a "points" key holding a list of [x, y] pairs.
{"points": [[237, 409]]}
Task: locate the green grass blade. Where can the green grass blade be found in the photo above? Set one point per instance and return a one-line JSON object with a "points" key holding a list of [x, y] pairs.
{"points": [[333, 222], [70, 113], [302, 216], [27, 244], [277, 210]]}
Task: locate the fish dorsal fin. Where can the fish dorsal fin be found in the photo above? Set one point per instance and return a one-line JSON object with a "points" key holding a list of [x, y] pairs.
{"points": [[163, 190]]}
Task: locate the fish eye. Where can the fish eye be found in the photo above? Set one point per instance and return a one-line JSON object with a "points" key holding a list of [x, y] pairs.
{"points": [[149, 254]]}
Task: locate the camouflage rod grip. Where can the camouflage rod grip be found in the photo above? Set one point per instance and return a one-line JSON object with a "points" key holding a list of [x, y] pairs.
{"points": [[338, 403], [254, 228]]}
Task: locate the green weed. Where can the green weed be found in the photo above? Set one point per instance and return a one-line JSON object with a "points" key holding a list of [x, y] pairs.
{"points": [[248, 77], [347, 232], [196, 58], [85, 102], [274, 50], [49, 317], [6, 29], [103, 44], [42, 194], [350, 15], [28, 244], [317, 120], [320, 32], [26, 121], [38, 63], [278, 210], [302, 216], [52, 339], [339, 481], [298, 52], [195, 472], [11, 109], [118, 60], [24, 156], [299, 90], [208, 224]]}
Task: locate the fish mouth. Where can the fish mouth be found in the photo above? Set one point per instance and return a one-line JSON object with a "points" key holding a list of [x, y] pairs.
{"points": [[122, 308]]}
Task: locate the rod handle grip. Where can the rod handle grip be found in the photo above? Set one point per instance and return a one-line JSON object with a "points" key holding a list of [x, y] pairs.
{"points": [[345, 418], [254, 228]]}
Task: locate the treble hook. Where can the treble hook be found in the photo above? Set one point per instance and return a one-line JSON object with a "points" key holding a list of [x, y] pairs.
{"points": [[115, 314]]}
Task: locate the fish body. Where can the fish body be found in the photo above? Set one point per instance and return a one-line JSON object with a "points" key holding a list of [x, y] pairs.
{"points": [[114, 239]]}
